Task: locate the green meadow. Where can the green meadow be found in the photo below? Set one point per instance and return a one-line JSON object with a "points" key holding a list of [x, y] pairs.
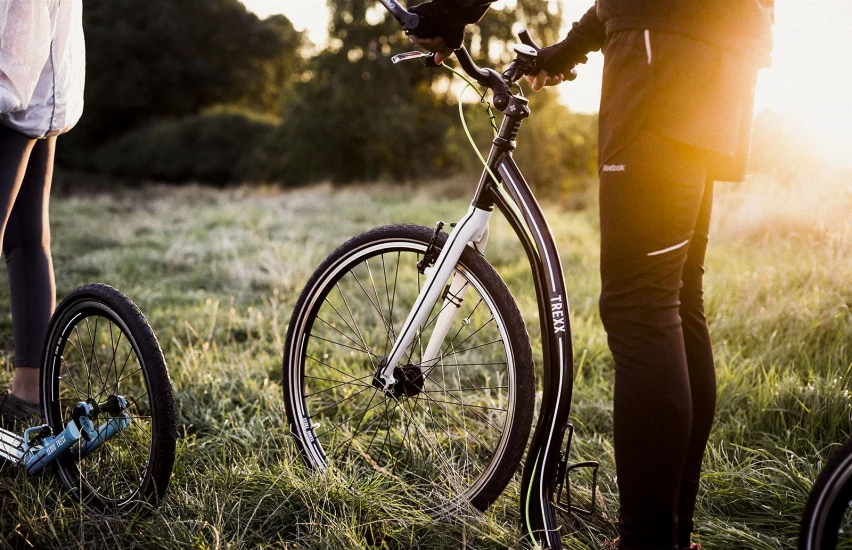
{"points": [[217, 273]]}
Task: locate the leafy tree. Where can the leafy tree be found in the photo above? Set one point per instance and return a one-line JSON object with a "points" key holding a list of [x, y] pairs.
{"points": [[346, 114], [489, 39], [219, 146], [358, 116], [166, 58]]}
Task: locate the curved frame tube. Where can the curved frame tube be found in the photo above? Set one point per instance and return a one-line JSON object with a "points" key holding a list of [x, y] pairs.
{"points": [[539, 477]]}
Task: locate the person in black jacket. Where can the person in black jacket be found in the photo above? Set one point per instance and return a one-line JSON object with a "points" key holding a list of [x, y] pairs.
{"points": [[675, 116]]}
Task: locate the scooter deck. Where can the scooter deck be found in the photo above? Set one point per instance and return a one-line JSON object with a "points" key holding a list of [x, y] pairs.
{"points": [[11, 446]]}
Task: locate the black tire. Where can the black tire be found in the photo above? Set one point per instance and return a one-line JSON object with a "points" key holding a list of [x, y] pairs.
{"points": [[466, 432], [99, 344], [827, 521]]}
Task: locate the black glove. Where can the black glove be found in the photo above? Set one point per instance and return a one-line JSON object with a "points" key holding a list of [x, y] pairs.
{"points": [[446, 19], [586, 35], [560, 58]]}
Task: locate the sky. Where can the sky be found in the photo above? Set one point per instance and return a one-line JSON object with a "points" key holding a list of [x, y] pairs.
{"points": [[810, 80]]}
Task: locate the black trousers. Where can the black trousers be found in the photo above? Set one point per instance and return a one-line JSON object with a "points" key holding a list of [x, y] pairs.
{"points": [[26, 172], [655, 204]]}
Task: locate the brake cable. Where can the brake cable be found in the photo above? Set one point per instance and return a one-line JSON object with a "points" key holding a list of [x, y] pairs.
{"points": [[491, 117]]}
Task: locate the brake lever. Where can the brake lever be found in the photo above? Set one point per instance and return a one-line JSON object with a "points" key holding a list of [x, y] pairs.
{"points": [[428, 58], [408, 55]]}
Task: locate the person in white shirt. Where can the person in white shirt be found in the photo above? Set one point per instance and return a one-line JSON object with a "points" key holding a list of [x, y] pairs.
{"points": [[42, 75]]}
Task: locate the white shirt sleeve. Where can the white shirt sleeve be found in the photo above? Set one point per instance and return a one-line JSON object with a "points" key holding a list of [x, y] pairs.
{"points": [[25, 36]]}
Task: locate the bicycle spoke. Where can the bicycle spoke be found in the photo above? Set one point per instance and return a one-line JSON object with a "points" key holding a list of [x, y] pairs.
{"points": [[351, 316], [370, 299], [85, 363], [360, 420], [112, 361], [334, 369], [468, 389], [347, 325], [354, 416], [333, 387], [334, 328], [359, 392], [93, 357], [333, 380], [389, 333], [366, 351], [460, 424], [498, 430]]}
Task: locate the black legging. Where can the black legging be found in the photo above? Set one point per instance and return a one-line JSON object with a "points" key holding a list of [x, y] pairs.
{"points": [[26, 171], [655, 203]]}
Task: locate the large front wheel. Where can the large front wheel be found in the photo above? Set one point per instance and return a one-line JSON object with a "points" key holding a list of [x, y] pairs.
{"points": [[452, 431]]}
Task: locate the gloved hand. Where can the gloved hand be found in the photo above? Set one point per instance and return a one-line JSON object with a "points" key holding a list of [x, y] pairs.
{"points": [[561, 57], [446, 19], [555, 63]]}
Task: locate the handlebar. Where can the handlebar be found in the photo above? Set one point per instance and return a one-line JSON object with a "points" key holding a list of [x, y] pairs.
{"points": [[524, 63], [487, 77], [411, 23]]}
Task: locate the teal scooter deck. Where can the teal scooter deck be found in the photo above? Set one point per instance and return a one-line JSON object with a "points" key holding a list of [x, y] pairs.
{"points": [[38, 447]]}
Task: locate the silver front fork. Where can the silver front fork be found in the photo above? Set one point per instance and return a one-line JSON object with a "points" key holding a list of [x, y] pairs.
{"points": [[473, 228], [452, 303]]}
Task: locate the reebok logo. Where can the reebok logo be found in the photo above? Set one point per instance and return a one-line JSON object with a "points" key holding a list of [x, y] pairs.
{"points": [[613, 168]]}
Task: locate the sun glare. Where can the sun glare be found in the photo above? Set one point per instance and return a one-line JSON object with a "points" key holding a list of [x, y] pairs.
{"points": [[809, 83], [811, 76], [309, 15]]}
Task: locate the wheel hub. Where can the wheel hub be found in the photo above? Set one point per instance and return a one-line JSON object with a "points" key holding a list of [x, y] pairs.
{"points": [[409, 381]]}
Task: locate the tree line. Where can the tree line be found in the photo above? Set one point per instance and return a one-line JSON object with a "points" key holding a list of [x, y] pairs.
{"points": [[204, 90]]}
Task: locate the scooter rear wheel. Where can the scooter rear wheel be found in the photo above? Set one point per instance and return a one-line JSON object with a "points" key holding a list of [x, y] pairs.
{"points": [[100, 345]]}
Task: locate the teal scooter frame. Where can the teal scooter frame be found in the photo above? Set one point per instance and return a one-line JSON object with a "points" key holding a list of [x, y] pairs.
{"points": [[38, 446]]}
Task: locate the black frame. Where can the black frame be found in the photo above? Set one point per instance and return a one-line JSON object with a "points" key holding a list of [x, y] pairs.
{"points": [[514, 198]]}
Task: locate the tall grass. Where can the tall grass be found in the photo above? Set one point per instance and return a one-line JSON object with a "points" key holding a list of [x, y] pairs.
{"points": [[217, 274]]}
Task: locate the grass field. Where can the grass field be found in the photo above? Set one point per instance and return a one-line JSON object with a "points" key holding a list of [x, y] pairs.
{"points": [[217, 274]]}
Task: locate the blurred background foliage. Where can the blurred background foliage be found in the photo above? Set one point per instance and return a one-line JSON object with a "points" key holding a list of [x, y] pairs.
{"points": [[205, 91]]}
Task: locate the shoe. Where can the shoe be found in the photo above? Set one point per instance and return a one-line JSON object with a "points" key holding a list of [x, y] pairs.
{"points": [[694, 546], [15, 413]]}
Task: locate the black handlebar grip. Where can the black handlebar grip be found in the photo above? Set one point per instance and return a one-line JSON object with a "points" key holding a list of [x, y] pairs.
{"points": [[413, 23], [527, 39], [410, 22], [571, 75]]}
